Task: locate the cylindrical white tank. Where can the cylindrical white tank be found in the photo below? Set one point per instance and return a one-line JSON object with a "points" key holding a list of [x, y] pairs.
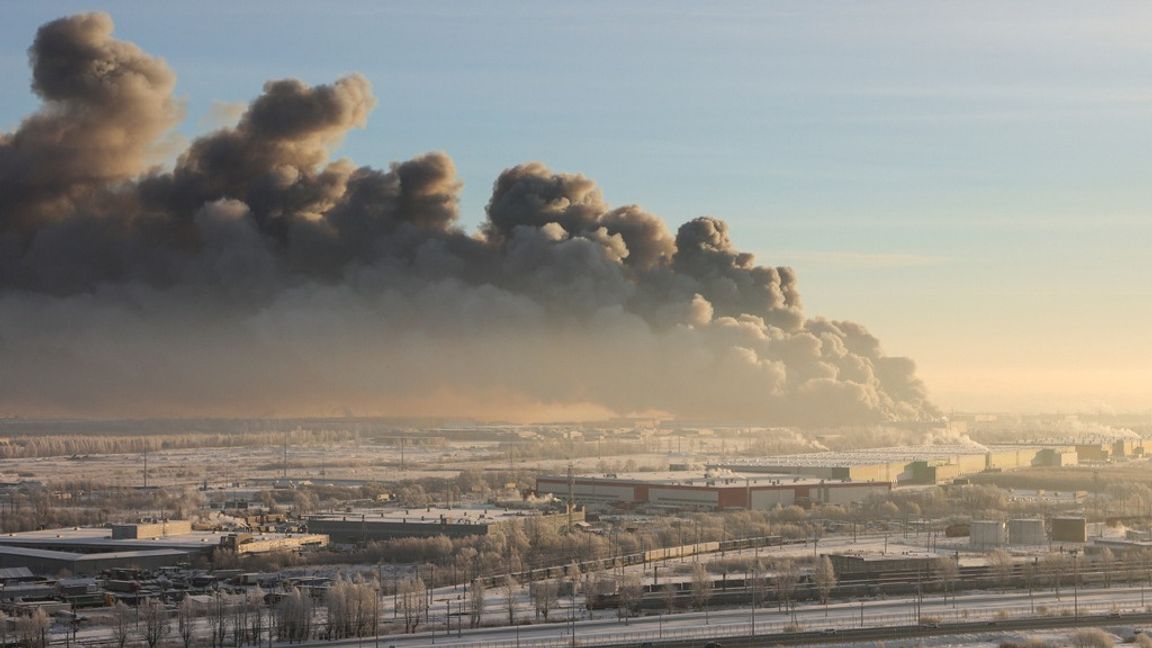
{"points": [[986, 533], [1026, 532]]}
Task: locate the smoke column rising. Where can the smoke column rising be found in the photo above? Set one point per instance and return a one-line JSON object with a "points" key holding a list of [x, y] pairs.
{"points": [[260, 276]]}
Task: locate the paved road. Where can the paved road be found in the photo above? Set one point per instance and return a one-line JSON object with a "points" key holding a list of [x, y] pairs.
{"points": [[970, 608]]}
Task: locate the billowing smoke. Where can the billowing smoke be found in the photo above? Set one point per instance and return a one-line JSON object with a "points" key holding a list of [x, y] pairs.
{"points": [[258, 276]]}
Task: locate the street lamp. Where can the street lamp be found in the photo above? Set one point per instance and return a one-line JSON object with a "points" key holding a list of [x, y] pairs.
{"points": [[755, 576], [376, 614], [1075, 583]]}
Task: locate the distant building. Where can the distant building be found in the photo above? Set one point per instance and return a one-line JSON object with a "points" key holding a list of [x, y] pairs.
{"points": [[1069, 529], [715, 490], [874, 564], [147, 545], [51, 563], [369, 525], [929, 464], [1026, 532], [987, 533]]}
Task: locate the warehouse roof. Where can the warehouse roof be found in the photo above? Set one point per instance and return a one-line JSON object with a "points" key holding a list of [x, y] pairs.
{"points": [[73, 556], [896, 454], [428, 514], [100, 539], [693, 478]]}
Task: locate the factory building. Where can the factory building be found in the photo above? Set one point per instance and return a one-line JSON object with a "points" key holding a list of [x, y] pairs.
{"points": [[147, 545], [153, 530], [1026, 532], [905, 464], [987, 533], [372, 525], [710, 491], [876, 564], [51, 563], [1057, 457], [1069, 529]]}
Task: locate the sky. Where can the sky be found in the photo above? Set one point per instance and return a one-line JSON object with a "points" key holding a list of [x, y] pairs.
{"points": [[972, 181]]}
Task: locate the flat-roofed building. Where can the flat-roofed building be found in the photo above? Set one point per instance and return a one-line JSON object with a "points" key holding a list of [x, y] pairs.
{"points": [[386, 523], [713, 490], [910, 464], [859, 564], [95, 542]]}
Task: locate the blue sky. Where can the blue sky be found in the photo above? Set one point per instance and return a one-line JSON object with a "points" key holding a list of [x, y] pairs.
{"points": [[972, 180]]}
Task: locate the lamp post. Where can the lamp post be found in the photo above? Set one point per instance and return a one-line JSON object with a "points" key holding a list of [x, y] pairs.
{"points": [[1075, 584], [755, 576]]}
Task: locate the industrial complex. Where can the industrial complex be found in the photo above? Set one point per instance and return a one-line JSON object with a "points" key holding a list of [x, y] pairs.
{"points": [[711, 490], [368, 525], [911, 464], [149, 545]]}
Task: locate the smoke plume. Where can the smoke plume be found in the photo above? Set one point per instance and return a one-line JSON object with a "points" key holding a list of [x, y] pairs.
{"points": [[257, 275]]}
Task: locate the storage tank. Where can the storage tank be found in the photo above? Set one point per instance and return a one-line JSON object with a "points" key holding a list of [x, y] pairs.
{"points": [[1070, 529], [1026, 532], [986, 533]]}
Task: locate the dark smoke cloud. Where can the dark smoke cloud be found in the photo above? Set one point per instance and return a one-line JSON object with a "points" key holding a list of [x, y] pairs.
{"points": [[259, 276]]}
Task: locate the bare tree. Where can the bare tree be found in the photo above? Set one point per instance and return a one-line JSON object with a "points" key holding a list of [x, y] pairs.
{"points": [[33, 629], [701, 586], [1107, 563], [630, 594], [239, 622], [304, 502], [156, 626], [544, 596], [594, 586], [785, 582], [670, 591], [218, 620], [1054, 565], [1090, 638], [948, 571], [294, 617], [413, 602], [336, 609], [510, 587], [349, 608], [1001, 565], [121, 620], [254, 601], [413, 496], [476, 602], [185, 622], [824, 577], [3, 629]]}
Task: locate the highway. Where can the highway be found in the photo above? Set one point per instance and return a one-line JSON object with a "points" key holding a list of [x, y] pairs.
{"points": [[839, 620]]}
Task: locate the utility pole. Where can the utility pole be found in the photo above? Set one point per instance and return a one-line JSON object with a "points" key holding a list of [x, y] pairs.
{"points": [[755, 576], [1075, 585], [145, 464], [571, 498]]}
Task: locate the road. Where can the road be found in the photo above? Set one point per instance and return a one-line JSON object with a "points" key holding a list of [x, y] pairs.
{"points": [[970, 608]]}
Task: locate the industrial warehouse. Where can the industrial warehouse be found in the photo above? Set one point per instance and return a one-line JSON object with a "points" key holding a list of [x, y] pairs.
{"points": [[921, 464], [148, 545], [712, 490], [370, 525]]}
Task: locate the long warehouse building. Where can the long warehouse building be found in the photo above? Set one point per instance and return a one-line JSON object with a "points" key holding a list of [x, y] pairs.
{"points": [[905, 464], [706, 491]]}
